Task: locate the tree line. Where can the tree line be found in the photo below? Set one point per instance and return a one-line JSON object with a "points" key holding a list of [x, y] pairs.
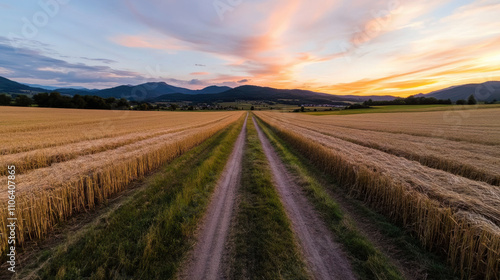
{"points": [[413, 100], [56, 100], [410, 100]]}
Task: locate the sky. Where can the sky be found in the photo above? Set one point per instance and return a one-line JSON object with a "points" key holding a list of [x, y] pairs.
{"points": [[361, 47]]}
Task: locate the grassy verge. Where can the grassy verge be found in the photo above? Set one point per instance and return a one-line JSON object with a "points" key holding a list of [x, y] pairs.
{"points": [[368, 261], [262, 242], [147, 236]]}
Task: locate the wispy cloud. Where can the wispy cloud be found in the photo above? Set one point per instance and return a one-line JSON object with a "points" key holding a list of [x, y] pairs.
{"points": [[24, 63], [104, 60], [199, 73], [140, 41]]}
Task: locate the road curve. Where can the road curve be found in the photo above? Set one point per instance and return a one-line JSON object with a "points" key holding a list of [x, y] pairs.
{"points": [[205, 259], [324, 257]]}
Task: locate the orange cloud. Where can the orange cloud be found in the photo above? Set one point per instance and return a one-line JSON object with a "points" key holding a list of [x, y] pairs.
{"points": [[468, 70], [404, 85], [274, 42], [134, 41]]}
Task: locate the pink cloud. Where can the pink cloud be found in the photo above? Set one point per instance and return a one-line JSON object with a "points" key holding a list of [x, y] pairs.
{"points": [[270, 42], [136, 41], [199, 73]]}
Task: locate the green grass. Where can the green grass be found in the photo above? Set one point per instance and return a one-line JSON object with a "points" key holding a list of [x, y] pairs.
{"points": [[263, 245], [369, 263], [404, 108], [147, 236]]}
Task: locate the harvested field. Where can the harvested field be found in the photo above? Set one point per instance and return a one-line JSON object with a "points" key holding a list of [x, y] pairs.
{"points": [[27, 129], [472, 126], [44, 157], [87, 163], [449, 213], [472, 160]]}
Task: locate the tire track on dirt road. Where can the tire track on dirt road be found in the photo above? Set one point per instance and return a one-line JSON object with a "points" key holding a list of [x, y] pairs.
{"points": [[204, 262], [324, 257]]}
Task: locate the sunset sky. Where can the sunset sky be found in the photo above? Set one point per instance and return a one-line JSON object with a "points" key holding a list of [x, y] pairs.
{"points": [[359, 47]]}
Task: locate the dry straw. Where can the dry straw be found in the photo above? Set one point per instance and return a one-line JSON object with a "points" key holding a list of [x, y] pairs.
{"points": [[39, 209], [39, 158], [471, 242], [474, 161]]}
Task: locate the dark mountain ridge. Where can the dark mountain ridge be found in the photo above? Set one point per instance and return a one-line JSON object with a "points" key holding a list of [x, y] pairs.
{"points": [[10, 86], [161, 91], [487, 91], [256, 93]]}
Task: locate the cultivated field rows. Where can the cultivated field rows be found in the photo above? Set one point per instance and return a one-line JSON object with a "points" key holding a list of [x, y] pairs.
{"points": [[473, 126], [448, 189], [458, 215], [58, 127], [43, 157], [471, 160], [82, 173], [65, 172]]}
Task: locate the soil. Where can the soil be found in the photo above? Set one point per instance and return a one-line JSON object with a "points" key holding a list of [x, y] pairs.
{"points": [[204, 261]]}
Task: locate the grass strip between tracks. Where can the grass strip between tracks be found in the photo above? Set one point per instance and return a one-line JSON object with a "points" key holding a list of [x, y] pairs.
{"points": [[262, 242]]}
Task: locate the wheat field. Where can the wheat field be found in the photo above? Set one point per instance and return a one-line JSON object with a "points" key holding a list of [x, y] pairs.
{"points": [[68, 160], [437, 181], [453, 124], [466, 157]]}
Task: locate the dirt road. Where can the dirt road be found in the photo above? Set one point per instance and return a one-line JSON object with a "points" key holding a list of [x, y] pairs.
{"points": [[205, 259], [324, 257]]}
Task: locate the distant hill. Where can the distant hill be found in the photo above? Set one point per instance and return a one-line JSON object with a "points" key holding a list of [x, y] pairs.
{"points": [[149, 91], [142, 91], [10, 86], [75, 91], [212, 90], [146, 91], [487, 91], [256, 93], [42, 86]]}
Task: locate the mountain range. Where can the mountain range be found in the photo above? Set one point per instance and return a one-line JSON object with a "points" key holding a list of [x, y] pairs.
{"points": [[150, 91], [163, 92], [256, 93], [487, 91], [10, 86]]}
